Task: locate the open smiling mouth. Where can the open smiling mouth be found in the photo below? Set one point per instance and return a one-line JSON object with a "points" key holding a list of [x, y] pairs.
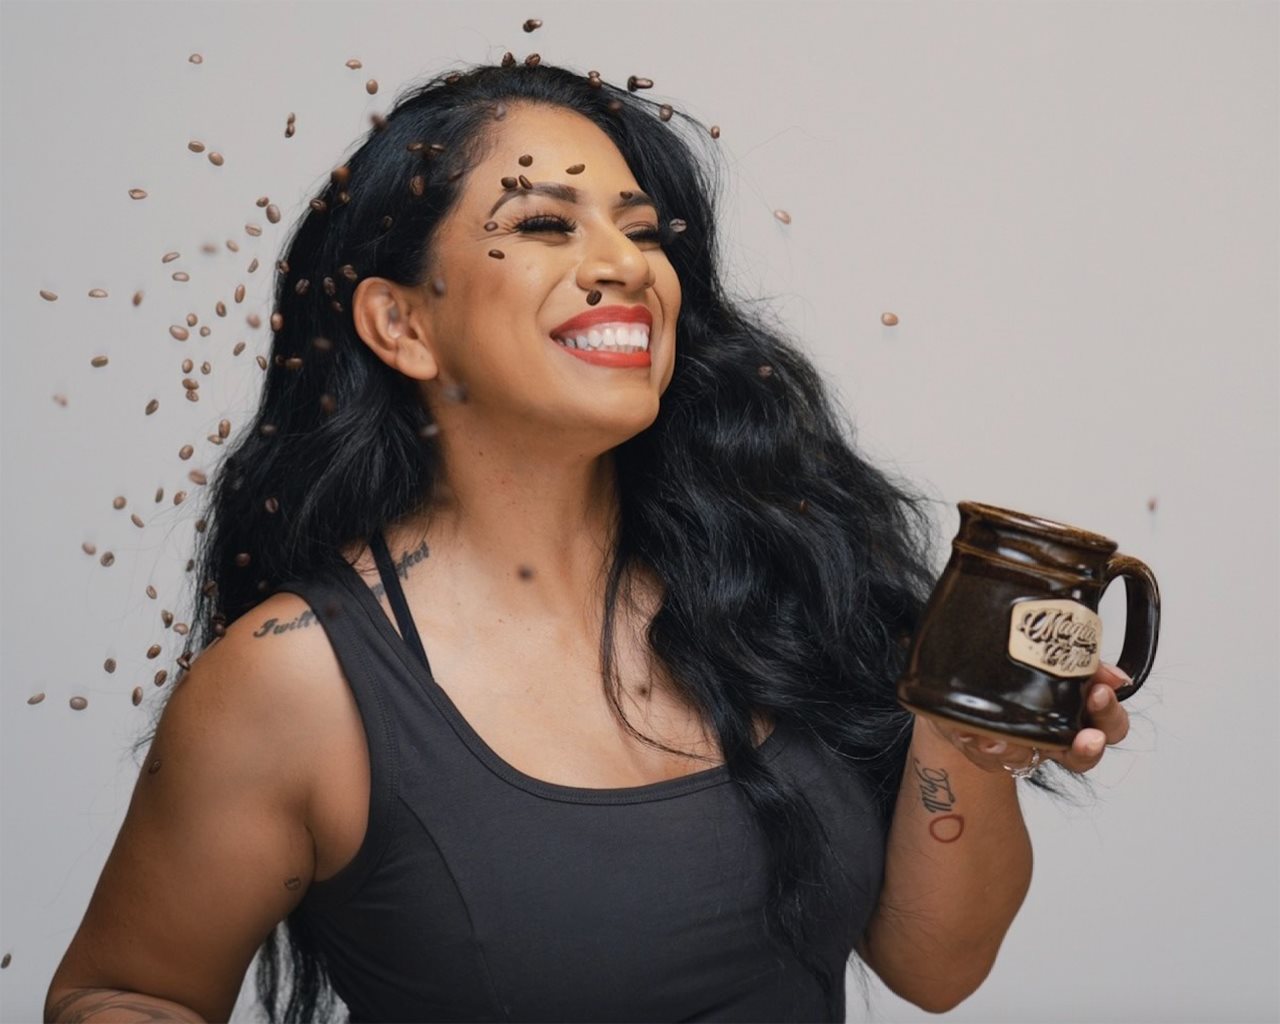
{"points": [[620, 345]]}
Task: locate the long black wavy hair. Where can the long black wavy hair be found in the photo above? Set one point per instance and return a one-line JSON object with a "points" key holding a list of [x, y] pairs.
{"points": [[794, 571]]}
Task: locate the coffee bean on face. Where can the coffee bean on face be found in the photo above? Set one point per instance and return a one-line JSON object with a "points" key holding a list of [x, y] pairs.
{"points": [[634, 83], [593, 297], [783, 216], [48, 296], [888, 319], [509, 183], [118, 503], [491, 225], [575, 169], [524, 182], [35, 698], [215, 159], [525, 160], [371, 86], [78, 703], [532, 24], [137, 193], [98, 293], [497, 254], [109, 665], [137, 696], [152, 406]]}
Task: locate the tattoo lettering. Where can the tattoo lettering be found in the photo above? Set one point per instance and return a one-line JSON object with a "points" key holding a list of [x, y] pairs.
{"points": [[936, 795], [402, 566], [301, 622]]}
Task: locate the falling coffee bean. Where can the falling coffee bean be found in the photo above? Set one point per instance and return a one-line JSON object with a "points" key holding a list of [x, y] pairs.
{"points": [[533, 60], [665, 112], [354, 64], [186, 451], [531, 24], [888, 319], [78, 703], [783, 216], [216, 159], [98, 293], [137, 520], [153, 651], [50, 296], [634, 83], [715, 131], [89, 549], [181, 333], [136, 697], [118, 502], [271, 505], [371, 86], [109, 665], [35, 698], [152, 406], [98, 361], [195, 58], [187, 365], [107, 558], [151, 592], [137, 193]]}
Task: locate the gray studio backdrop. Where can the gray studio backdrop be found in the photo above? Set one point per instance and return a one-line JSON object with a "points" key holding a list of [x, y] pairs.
{"points": [[1070, 207]]}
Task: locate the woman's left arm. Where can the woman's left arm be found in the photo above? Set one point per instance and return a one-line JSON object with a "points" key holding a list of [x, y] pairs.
{"points": [[958, 856]]}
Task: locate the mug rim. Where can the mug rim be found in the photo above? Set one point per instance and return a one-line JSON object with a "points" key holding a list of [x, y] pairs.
{"points": [[1012, 517]]}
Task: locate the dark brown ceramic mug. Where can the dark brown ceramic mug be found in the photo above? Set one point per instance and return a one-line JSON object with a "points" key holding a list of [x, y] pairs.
{"points": [[1010, 636]]}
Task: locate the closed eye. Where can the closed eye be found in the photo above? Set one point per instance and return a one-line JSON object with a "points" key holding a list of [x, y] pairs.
{"points": [[550, 222]]}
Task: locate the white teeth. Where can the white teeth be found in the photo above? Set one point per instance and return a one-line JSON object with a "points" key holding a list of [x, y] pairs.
{"points": [[635, 336]]}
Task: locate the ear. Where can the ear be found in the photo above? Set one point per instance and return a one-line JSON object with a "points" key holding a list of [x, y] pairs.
{"points": [[395, 327]]}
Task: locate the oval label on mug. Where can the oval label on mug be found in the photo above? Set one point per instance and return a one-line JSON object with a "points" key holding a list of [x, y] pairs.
{"points": [[1058, 636]]}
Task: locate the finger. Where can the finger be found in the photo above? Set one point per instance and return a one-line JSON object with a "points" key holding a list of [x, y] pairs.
{"points": [[1086, 751], [1106, 713]]}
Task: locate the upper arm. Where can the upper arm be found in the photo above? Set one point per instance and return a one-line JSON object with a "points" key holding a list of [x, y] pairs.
{"points": [[214, 850]]}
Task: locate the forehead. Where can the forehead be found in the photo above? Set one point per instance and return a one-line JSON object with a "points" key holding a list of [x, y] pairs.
{"points": [[555, 138]]}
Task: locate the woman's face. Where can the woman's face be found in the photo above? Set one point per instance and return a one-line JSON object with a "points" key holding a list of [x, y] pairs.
{"points": [[494, 329]]}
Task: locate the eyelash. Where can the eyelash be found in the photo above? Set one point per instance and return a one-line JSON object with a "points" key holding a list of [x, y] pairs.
{"points": [[547, 221]]}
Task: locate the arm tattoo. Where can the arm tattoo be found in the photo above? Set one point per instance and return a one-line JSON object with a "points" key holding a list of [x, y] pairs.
{"points": [[936, 796]]}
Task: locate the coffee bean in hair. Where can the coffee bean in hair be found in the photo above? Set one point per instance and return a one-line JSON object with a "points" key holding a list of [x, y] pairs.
{"points": [[340, 175], [321, 344], [349, 272], [634, 83], [525, 160], [98, 361], [614, 106], [243, 559], [783, 216], [497, 254], [378, 121], [371, 86], [272, 505], [152, 406], [593, 297], [764, 370], [78, 703], [153, 651], [328, 404], [533, 60], [676, 224], [35, 698], [531, 24], [453, 78], [118, 502], [98, 293], [216, 159], [137, 696], [330, 288], [715, 131], [319, 205], [508, 59], [499, 110], [575, 169], [293, 363], [888, 319], [262, 362], [301, 286], [418, 185]]}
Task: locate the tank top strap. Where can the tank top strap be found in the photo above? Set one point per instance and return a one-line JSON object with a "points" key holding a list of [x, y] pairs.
{"points": [[395, 594]]}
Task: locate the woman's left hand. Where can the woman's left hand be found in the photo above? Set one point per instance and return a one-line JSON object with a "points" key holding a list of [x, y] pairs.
{"points": [[1108, 724]]}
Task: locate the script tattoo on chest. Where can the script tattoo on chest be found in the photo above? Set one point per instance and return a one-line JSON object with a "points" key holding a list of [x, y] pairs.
{"points": [[938, 799]]}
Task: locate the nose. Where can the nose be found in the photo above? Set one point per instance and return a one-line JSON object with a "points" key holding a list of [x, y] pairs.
{"points": [[614, 259]]}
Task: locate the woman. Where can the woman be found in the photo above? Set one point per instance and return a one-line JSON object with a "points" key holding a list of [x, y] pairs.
{"points": [[457, 452]]}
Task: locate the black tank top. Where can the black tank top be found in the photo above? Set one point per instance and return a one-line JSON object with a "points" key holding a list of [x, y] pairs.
{"points": [[480, 893]]}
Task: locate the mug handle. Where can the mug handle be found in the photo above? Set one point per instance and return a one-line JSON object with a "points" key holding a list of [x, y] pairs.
{"points": [[1142, 619]]}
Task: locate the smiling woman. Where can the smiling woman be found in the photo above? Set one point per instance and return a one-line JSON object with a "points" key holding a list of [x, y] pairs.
{"points": [[513, 419]]}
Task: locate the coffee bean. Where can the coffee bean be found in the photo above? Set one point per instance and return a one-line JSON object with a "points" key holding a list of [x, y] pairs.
{"points": [[118, 503], [49, 296], [371, 86], [181, 275], [593, 297], [524, 182], [195, 58], [319, 205], [508, 59], [231, 244], [153, 767], [160, 677], [166, 617], [340, 175], [321, 344], [186, 451], [137, 298], [239, 296], [187, 364], [491, 225], [215, 159], [252, 230], [293, 363], [254, 264], [715, 131], [453, 79], [533, 60], [190, 384], [288, 130], [179, 497], [764, 370], [181, 333], [61, 400], [1151, 504], [293, 883], [634, 83], [109, 665], [98, 293], [238, 349], [575, 169], [614, 106], [437, 285], [192, 319], [525, 160], [152, 406], [153, 651], [206, 368], [159, 495], [783, 216], [272, 505], [330, 288], [197, 477], [253, 320], [169, 257], [509, 183], [137, 696], [224, 428], [349, 272], [677, 225], [195, 147], [532, 24], [301, 286], [888, 319], [243, 559], [35, 698], [213, 439], [78, 703], [262, 362], [497, 254], [500, 109], [88, 548], [98, 361], [354, 64], [137, 521], [328, 404], [277, 322]]}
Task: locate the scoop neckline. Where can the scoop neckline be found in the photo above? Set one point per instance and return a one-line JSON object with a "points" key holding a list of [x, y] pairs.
{"points": [[663, 789]]}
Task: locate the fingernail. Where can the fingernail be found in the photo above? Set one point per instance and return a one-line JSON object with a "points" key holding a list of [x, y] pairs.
{"points": [[1098, 698], [993, 746], [1122, 673]]}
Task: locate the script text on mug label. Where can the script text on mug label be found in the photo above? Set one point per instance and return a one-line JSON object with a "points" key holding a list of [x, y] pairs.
{"points": [[1058, 636]]}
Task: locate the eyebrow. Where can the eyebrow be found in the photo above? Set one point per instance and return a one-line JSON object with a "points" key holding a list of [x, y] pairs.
{"points": [[569, 194]]}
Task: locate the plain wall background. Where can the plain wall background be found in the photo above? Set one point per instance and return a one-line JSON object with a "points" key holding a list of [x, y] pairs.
{"points": [[1071, 207]]}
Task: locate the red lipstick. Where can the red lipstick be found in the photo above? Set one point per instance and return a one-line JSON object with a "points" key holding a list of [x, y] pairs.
{"points": [[604, 315]]}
